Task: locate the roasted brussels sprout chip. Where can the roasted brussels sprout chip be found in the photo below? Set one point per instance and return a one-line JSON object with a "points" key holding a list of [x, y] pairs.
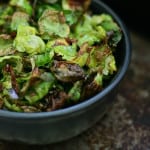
{"points": [[54, 53]]}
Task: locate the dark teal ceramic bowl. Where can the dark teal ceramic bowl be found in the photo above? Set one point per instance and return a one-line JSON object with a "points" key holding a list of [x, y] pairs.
{"points": [[56, 126]]}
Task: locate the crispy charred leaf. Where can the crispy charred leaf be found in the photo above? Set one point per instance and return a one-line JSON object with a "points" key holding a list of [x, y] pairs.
{"points": [[42, 60], [56, 100], [22, 5], [53, 24], [107, 22], [30, 79], [9, 83], [14, 61], [83, 26], [25, 31], [1, 87], [102, 60], [57, 42], [62, 48], [41, 7], [67, 52], [5, 17], [6, 84], [91, 38], [67, 72], [1, 8], [1, 103], [76, 4], [96, 28], [1, 99], [97, 56], [50, 1], [88, 33], [97, 59], [82, 55], [5, 13], [38, 91], [8, 69], [22, 80], [38, 86], [72, 17], [98, 19], [109, 65], [92, 86], [48, 77], [8, 90], [75, 92], [27, 41], [12, 106], [19, 18], [6, 45], [29, 109]]}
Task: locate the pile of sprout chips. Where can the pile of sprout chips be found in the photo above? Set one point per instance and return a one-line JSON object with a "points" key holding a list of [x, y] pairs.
{"points": [[54, 54]]}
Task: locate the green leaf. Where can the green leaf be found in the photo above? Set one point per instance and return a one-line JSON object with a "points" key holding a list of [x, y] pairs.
{"points": [[67, 52], [27, 41], [110, 65], [84, 26], [30, 44], [81, 60], [98, 79], [90, 37], [52, 23], [6, 45], [23, 5], [42, 60], [6, 12], [75, 91], [12, 107], [71, 16], [86, 32], [38, 92], [75, 5], [19, 18], [37, 86], [111, 26], [26, 30], [15, 61]]}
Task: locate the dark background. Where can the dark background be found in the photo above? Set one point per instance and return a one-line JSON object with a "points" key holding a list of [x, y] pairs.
{"points": [[135, 14]]}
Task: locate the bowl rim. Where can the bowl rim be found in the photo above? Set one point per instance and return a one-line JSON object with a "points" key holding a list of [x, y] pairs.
{"points": [[78, 107]]}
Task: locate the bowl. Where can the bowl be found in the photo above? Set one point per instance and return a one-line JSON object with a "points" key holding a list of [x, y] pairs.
{"points": [[51, 127]]}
